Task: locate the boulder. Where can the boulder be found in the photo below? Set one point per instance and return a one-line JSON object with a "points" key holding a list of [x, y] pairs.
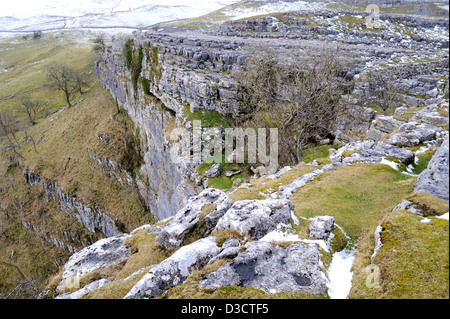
{"points": [[435, 178], [103, 253], [232, 173], [172, 234], [411, 134], [272, 269], [371, 152], [256, 218], [175, 269], [321, 227], [214, 171], [386, 124]]}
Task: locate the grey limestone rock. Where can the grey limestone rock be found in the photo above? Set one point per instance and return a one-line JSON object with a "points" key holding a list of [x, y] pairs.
{"points": [[256, 217], [175, 269], [80, 293], [287, 191], [274, 270], [435, 179], [103, 253], [411, 134], [321, 227], [172, 234], [215, 171]]}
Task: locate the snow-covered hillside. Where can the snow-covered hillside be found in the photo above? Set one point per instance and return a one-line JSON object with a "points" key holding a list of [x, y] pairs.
{"points": [[30, 15]]}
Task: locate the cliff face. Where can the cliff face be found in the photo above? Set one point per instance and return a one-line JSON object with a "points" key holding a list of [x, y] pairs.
{"points": [[163, 184]]}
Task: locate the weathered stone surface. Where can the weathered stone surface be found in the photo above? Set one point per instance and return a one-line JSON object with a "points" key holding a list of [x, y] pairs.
{"points": [[174, 270], [256, 217], [273, 270], [89, 216], [288, 190], [321, 227], [101, 254], [232, 173], [411, 134], [215, 171], [353, 119], [80, 293], [371, 152], [386, 124], [435, 179], [172, 234]]}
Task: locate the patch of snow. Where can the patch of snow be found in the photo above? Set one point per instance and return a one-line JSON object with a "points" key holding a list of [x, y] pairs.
{"points": [[270, 7], [294, 218], [340, 275], [288, 235], [445, 216], [378, 243], [389, 163], [30, 15]]}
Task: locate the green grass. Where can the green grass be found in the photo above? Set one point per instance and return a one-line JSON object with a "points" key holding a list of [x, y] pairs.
{"points": [[223, 182], [27, 62], [317, 153], [356, 195], [413, 262], [208, 118]]}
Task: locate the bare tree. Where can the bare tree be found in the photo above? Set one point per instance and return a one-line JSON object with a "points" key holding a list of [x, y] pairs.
{"points": [[8, 125], [82, 80], [8, 128], [61, 77], [298, 98], [382, 90], [33, 109]]}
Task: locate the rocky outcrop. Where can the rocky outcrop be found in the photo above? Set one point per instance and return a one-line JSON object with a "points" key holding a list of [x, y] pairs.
{"points": [[66, 236], [321, 227], [256, 218], [274, 270], [163, 183], [102, 254], [371, 152], [435, 179], [175, 269], [214, 201], [89, 216]]}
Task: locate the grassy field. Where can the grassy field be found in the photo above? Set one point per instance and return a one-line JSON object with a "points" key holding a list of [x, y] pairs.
{"points": [[27, 61], [412, 264]]}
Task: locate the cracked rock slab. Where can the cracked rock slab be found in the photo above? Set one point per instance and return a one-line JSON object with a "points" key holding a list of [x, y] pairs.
{"points": [[435, 178], [274, 270], [172, 234], [175, 269], [256, 218], [103, 253], [321, 227]]}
